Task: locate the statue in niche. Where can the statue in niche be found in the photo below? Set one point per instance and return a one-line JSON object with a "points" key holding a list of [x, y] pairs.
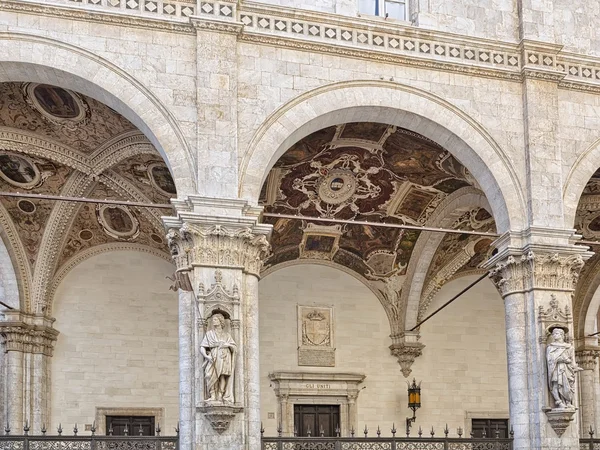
{"points": [[218, 349], [561, 369]]}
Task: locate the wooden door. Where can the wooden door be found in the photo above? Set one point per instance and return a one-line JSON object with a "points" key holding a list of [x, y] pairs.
{"points": [[132, 423], [316, 419]]}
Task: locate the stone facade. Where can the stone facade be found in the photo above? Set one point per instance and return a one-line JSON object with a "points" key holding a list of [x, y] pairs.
{"points": [[222, 89]]}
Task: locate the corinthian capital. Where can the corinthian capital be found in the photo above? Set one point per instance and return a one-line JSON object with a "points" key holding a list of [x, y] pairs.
{"points": [[537, 271], [587, 358], [231, 237], [27, 333]]}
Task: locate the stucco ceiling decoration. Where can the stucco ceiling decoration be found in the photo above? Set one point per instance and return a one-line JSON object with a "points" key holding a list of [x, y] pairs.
{"points": [[58, 142], [359, 171]]}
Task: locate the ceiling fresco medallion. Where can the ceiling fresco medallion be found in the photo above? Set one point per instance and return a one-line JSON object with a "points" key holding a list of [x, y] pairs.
{"points": [[57, 105], [161, 179], [20, 171], [118, 221], [336, 186]]}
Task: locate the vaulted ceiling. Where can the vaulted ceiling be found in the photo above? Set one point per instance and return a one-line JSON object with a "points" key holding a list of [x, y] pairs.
{"points": [[377, 173], [58, 142]]}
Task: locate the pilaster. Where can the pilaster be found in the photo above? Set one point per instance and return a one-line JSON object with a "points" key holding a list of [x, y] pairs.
{"points": [[587, 359], [536, 272], [220, 246], [217, 32], [28, 342]]}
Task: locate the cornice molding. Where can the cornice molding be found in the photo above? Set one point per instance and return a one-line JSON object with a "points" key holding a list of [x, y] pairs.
{"points": [[97, 15], [363, 38]]}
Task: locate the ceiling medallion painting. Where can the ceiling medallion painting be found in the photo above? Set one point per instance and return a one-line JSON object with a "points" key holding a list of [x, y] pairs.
{"points": [[54, 141], [358, 171], [22, 171], [57, 105], [117, 221]]}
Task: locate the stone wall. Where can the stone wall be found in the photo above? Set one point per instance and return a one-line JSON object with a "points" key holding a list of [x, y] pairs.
{"points": [[118, 340], [463, 367]]}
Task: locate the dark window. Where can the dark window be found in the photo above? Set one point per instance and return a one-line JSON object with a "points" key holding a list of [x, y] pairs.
{"points": [[488, 427], [133, 424], [316, 419]]}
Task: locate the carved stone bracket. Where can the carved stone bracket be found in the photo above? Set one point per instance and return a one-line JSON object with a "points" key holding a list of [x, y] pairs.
{"points": [[406, 348], [27, 333], [560, 418], [541, 271], [220, 416]]}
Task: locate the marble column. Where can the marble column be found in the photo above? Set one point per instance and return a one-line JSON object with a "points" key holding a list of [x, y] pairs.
{"points": [[587, 359], [221, 244], [537, 281], [28, 341]]}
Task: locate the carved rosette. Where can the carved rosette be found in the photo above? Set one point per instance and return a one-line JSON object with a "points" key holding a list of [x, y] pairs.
{"points": [[26, 338], [218, 246], [587, 359], [406, 353], [530, 271]]}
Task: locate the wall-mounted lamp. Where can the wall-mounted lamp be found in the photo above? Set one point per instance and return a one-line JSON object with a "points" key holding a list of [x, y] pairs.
{"points": [[414, 402]]}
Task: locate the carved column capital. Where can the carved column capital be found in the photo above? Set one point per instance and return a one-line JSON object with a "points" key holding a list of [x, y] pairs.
{"points": [[534, 270], [587, 357], [233, 240], [406, 348], [28, 333]]}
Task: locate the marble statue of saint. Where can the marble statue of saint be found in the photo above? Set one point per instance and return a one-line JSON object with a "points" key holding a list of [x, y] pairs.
{"points": [[218, 349], [561, 369]]}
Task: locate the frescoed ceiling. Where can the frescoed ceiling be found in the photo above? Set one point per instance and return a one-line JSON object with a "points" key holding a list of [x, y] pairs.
{"points": [[377, 173], [58, 142]]}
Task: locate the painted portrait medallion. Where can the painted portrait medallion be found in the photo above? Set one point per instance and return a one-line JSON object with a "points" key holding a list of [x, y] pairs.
{"points": [[117, 221], [57, 105], [19, 170], [56, 101], [161, 179]]}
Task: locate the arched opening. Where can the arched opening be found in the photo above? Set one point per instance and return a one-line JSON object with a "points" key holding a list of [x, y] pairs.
{"points": [[372, 198]]}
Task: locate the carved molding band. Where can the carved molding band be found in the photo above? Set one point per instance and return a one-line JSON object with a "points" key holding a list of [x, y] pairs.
{"points": [[533, 271], [218, 246]]}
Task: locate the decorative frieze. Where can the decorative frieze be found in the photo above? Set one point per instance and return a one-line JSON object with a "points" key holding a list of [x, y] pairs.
{"points": [[537, 271]]}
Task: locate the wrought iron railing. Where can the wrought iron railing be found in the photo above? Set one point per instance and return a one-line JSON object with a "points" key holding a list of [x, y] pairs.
{"points": [[88, 442], [380, 443]]}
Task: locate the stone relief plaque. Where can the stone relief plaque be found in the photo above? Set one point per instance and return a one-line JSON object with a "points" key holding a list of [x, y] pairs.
{"points": [[315, 336]]}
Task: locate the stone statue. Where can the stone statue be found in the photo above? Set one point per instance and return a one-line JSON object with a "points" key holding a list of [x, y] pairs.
{"points": [[561, 369], [218, 349]]}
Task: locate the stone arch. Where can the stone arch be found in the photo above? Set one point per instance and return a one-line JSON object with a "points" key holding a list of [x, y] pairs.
{"points": [[427, 245], [384, 302], [395, 104], [64, 270], [582, 170], [586, 303], [15, 269], [26, 57], [9, 283]]}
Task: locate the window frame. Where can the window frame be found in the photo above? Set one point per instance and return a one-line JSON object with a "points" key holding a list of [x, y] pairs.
{"points": [[380, 9]]}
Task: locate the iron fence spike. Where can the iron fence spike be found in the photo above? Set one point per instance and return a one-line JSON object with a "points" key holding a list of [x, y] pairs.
{"points": [[459, 431], [141, 430], [93, 429], [420, 431], [158, 428], [432, 432], [75, 430], [59, 429], [7, 429], [512, 432], [393, 430], [591, 432], [177, 428], [378, 431], [446, 430], [262, 429], [352, 431], [366, 430], [279, 430], [43, 429]]}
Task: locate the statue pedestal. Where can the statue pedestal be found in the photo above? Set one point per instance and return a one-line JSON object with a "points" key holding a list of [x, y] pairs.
{"points": [[560, 418], [219, 415]]}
